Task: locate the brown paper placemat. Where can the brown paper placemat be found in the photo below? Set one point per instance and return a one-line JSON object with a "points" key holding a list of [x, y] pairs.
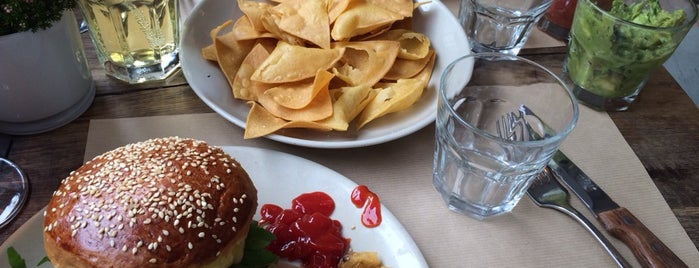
{"points": [[400, 172]]}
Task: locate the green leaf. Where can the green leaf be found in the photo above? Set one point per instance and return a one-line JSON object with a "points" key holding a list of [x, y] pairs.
{"points": [[255, 254], [257, 259], [258, 237], [43, 260], [15, 259]]}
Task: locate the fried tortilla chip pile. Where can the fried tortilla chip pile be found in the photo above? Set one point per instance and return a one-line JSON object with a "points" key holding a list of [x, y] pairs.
{"points": [[320, 64]]}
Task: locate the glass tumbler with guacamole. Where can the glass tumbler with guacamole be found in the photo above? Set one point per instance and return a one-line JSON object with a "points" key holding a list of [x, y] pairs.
{"points": [[614, 46]]}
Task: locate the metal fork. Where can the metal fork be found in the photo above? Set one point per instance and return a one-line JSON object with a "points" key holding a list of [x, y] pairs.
{"points": [[545, 190]]}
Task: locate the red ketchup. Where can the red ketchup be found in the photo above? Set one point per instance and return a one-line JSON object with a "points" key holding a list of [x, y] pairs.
{"points": [[305, 231], [371, 216]]}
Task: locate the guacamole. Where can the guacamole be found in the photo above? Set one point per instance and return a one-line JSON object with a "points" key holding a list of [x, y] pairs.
{"points": [[610, 58]]}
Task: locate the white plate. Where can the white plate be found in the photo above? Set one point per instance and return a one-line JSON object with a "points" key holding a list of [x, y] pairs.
{"points": [[279, 178], [433, 19]]}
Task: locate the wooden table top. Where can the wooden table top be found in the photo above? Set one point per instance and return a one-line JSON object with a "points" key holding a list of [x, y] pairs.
{"points": [[661, 128]]}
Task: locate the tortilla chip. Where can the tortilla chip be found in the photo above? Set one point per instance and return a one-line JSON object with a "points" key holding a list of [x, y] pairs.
{"points": [[365, 62], [209, 53], [230, 53], [300, 94], [402, 7], [335, 8], [348, 102], [412, 45], [405, 23], [360, 19], [394, 97], [244, 30], [260, 123], [403, 68], [289, 63], [306, 19], [319, 108], [243, 87], [373, 34], [271, 20], [254, 11]]}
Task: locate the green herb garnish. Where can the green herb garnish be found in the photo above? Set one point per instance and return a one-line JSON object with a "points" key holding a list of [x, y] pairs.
{"points": [[43, 260], [15, 259], [255, 253]]}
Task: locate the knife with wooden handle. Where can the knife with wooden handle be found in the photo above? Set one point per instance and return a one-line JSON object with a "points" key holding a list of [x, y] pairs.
{"points": [[618, 221]]}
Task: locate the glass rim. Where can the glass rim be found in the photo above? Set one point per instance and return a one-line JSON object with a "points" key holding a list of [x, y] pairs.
{"points": [[9, 213], [686, 23], [534, 11], [501, 56]]}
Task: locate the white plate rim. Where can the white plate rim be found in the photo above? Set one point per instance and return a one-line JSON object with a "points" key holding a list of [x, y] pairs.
{"points": [[198, 71], [403, 252]]}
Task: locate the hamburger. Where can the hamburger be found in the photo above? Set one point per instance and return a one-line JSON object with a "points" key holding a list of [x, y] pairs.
{"points": [[166, 202]]}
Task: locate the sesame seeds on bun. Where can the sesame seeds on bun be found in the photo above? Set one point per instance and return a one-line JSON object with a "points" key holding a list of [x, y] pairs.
{"points": [[168, 202]]}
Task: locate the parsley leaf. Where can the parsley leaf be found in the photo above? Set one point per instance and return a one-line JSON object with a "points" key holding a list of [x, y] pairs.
{"points": [[15, 259], [43, 260], [255, 254]]}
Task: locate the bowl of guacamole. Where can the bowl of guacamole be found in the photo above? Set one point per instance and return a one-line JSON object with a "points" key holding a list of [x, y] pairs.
{"points": [[615, 45]]}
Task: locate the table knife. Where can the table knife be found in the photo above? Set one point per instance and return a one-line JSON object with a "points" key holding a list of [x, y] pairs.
{"points": [[617, 220]]}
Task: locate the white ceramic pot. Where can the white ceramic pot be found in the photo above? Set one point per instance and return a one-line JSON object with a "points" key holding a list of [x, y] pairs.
{"points": [[45, 81]]}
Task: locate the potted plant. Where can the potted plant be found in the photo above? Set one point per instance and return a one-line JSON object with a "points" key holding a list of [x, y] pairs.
{"points": [[31, 15], [44, 78]]}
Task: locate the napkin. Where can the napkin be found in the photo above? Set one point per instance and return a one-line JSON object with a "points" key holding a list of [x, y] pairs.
{"points": [[400, 172]]}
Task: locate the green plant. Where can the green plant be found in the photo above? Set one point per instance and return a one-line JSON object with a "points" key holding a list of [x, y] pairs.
{"points": [[30, 15]]}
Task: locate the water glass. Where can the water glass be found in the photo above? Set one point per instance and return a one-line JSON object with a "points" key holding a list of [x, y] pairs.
{"points": [[14, 190], [136, 40], [610, 58], [500, 25], [477, 171]]}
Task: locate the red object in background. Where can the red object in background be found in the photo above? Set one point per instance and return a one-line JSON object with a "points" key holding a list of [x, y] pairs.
{"points": [[362, 196], [305, 231], [561, 12], [558, 19]]}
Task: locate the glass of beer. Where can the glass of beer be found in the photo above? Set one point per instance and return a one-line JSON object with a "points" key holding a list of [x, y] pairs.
{"points": [[136, 40]]}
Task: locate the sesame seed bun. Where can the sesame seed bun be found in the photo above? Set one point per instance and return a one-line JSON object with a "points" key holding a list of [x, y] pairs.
{"points": [[166, 202]]}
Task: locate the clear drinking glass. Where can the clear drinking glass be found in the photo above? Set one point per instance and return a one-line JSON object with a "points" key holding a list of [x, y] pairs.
{"points": [[136, 40], [500, 25], [610, 58], [477, 172], [14, 189]]}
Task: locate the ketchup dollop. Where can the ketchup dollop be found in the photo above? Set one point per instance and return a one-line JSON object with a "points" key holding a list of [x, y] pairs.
{"points": [[305, 231], [371, 216]]}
